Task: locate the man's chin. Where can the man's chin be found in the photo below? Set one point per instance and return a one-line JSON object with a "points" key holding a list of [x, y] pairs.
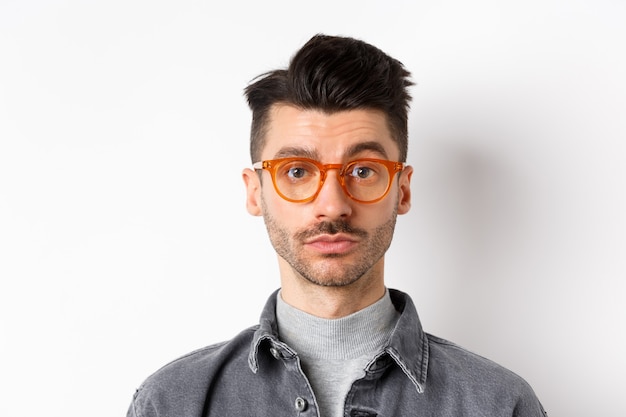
{"points": [[332, 279]]}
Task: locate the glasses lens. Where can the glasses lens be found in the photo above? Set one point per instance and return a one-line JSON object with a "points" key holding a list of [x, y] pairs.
{"points": [[366, 180], [297, 179]]}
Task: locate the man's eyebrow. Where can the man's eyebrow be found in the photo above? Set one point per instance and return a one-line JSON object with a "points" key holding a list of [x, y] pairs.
{"points": [[352, 151], [296, 151], [374, 146]]}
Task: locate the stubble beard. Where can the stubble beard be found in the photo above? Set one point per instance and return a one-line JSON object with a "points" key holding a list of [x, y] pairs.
{"points": [[372, 247]]}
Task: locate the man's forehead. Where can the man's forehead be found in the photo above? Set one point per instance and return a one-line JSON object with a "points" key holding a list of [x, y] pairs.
{"points": [[292, 131]]}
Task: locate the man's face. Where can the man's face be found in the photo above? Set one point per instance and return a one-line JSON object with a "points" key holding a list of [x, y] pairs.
{"points": [[332, 240]]}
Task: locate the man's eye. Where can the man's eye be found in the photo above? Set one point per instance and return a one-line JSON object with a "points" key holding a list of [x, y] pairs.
{"points": [[362, 172], [297, 172]]}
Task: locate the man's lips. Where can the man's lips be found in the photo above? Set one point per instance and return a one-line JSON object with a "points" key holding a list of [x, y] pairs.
{"points": [[331, 244]]}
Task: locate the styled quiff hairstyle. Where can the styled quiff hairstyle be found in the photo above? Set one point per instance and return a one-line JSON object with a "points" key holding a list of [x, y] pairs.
{"points": [[333, 74]]}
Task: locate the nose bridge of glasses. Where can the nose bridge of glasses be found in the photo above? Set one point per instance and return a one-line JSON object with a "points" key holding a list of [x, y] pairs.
{"points": [[328, 167], [324, 168]]}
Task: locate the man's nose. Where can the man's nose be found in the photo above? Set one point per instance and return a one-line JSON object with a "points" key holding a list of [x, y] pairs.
{"points": [[331, 201]]}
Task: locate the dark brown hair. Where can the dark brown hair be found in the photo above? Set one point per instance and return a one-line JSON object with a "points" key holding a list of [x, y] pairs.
{"points": [[332, 74]]}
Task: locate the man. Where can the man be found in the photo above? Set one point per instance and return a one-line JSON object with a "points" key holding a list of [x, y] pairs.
{"points": [[328, 147]]}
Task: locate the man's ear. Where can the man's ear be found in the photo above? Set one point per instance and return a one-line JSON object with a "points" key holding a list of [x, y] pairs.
{"points": [[404, 190], [253, 192]]}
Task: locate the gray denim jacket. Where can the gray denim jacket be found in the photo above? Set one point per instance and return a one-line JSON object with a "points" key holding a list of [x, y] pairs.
{"points": [[255, 374]]}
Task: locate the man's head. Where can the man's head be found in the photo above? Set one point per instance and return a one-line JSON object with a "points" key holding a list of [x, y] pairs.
{"points": [[329, 138], [332, 74]]}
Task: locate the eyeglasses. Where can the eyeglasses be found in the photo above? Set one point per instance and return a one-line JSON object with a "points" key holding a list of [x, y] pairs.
{"points": [[299, 180]]}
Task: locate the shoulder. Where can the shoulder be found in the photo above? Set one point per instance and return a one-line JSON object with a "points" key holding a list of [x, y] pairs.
{"points": [[451, 365], [190, 375], [451, 357], [205, 359]]}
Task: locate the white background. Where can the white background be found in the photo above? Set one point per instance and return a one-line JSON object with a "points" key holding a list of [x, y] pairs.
{"points": [[124, 241]]}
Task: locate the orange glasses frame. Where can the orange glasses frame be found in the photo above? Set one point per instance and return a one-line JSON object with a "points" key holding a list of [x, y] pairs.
{"points": [[271, 165]]}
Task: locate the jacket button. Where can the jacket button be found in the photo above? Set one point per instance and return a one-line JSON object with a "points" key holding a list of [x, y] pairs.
{"points": [[275, 353], [300, 404]]}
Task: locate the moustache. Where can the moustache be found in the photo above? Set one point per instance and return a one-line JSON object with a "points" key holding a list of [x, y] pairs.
{"points": [[331, 228]]}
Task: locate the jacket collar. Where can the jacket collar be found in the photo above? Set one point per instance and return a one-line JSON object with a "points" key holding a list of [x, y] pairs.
{"points": [[408, 344], [407, 347], [267, 330]]}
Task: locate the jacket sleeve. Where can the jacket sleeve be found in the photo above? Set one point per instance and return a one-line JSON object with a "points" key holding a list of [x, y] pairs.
{"points": [[133, 408], [529, 405]]}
